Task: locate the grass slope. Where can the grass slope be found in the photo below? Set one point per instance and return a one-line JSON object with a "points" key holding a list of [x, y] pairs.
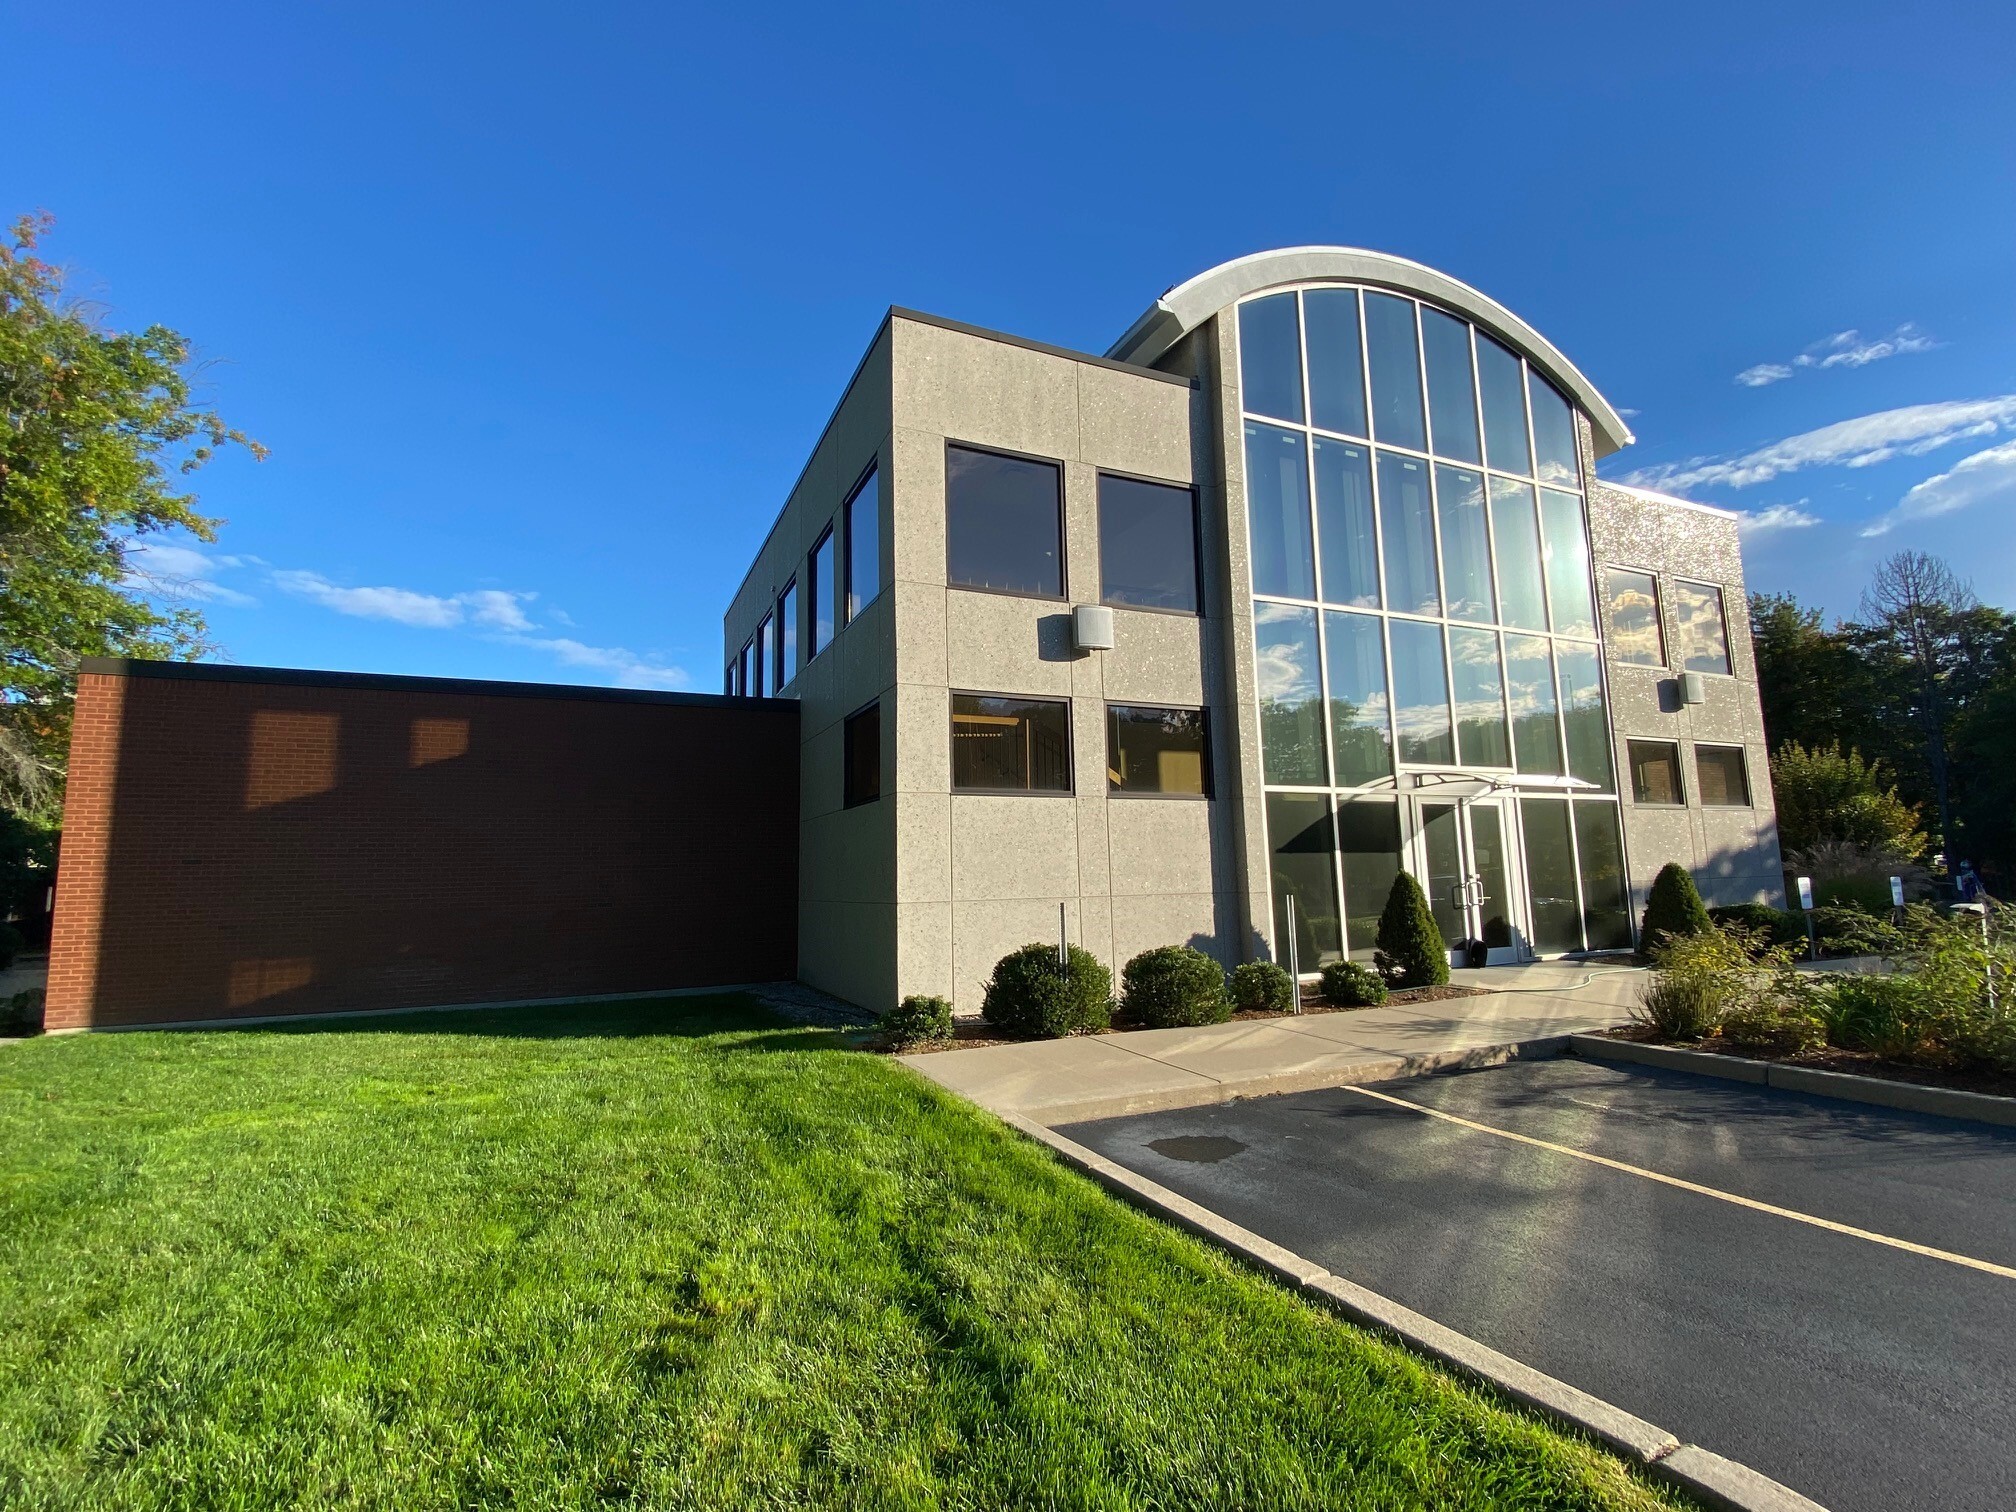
{"points": [[664, 1254]]}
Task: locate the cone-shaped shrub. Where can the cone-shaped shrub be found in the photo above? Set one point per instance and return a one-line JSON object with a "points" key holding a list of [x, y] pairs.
{"points": [[1347, 984], [1174, 987], [1672, 908], [1262, 987], [1031, 994], [1411, 950]]}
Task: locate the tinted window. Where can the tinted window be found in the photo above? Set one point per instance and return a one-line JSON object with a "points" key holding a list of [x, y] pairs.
{"points": [[1396, 371], [763, 657], [1481, 738], [1536, 720], [1606, 898], [1156, 751], [1522, 600], [787, 634], [1420, 693], [1553, 434], [862, 758], [1368, 844], [1003, 523], [1550, 875], [1582, 714], [1277, 512], [1699, 627], [1634, 617], [1361, 733], [1147, 544], [1336, 366], [1408, 520], [1655, 773], [1566, 548], [1466, 545], [1452, 392], [1345, 536], [1504, 395], [820, 585], [1725, 783], [1016, 745], [1291, 697], [864, 543], [1304, 845], [1270, 357]]}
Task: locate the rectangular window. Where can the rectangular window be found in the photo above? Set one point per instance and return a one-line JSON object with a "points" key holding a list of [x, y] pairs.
{"points": [[1147, 544], [1452, 391], [787, 634], [1481, 736], [1277, 512], [1270, 357], [1724, 780], [1536, 719], [1584, 718], [1291, 695], [1700, 628], [1466, 545], [1635, 636], [819, 594], [1421, 693], [861, 758], [1336, 366], [864, 543], [1655, 773], [1553, 434], [1391, 341], [1606, 899], [1407, 519], [745, 671], [1550, 875], [1151, 750], [1345, 535], [1522, 600], [1566, 550], [1504, 394], [1361, 733], [1368, 842], [1010, 745], [1304, 843], [1004, 523], [765, 658]]}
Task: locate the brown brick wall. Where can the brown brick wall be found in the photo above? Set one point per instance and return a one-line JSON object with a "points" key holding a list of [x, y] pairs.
{"points": [[240, 842]]}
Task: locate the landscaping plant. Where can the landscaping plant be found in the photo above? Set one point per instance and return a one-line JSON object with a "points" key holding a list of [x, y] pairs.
{"points": [[1697, 979], [916, 1021], [1888, 1016], [1263, 987], [1411, 951], [1348, 984], [1672, 909], [1174, 987], [1778, 926], [1033, 994]]}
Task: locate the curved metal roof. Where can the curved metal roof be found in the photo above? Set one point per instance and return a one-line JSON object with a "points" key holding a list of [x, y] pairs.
{"points": [[1190, 304]]}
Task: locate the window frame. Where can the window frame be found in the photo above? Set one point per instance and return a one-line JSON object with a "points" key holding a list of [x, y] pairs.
{"points": [[813, 648], [1063, 596], [849, 799], [787, 670], [1203, 713], [1196, 543], [1742, 765], [1679, 772], [1069, 790], [844, 559], [1728, 641]]}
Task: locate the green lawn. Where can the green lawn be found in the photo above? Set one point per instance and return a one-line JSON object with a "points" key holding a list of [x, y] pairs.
{"points": [[666, 1254]]}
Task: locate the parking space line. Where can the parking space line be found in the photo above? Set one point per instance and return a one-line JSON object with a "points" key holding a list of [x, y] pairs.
{"points": [[1752, 1203]]}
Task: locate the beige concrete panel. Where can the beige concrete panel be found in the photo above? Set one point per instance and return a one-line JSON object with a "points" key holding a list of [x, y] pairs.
{"points": [[819, 773], [1653, 837], [1720, 719], [1159, 845], [818, 692], [1641, 703], [995, 643], [1014, 847], [923, 847], [919, 613], [867, 648], [1134, 425], [1093, 876], [1735, 843], [849, 950], [984, 392], [1156, 658], [917, 722], [861, 425], [848, 856], [1081, 533], [1177, 919], [1095, 933], [924, 951], [982, 933], [916, 503]]}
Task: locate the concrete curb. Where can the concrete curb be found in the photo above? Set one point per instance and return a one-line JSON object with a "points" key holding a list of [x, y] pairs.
{"points": [[1719, 1482], [1908, 1097]]}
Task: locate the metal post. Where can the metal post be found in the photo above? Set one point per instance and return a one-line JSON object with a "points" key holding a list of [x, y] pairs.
{"points": [[1294, 963], [1063, 941]]}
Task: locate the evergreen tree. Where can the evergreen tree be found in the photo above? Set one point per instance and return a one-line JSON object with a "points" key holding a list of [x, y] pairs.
{"points": [[1411, 951], [1673, 907]]}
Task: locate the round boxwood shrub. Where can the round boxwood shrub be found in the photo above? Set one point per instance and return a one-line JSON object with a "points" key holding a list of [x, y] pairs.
{"points": [[1031, 994], [1263, 987], [1174, 987], [1347, 984], [1672, 908], [1411, 951], [917, 1021]]}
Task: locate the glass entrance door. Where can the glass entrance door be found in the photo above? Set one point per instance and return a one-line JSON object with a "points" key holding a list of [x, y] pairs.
{"points": [[1471, 875]]}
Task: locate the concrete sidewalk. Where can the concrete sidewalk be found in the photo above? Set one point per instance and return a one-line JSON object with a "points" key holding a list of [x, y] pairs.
{"points": [[1104, 1076]]}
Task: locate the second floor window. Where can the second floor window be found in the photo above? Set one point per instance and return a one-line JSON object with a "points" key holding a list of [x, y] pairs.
{"points": [[820, 595], [1700, 628], [864, 543], [1004, 523], [1147, 544]]}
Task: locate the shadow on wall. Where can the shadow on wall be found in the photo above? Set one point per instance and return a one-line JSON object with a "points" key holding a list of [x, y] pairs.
{"points": [[285, 849]]}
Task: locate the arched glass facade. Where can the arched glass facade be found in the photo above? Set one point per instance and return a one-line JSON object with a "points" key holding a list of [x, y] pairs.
{"points": [[1426, 641]]}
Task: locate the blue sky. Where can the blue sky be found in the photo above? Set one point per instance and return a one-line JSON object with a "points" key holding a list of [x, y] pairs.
{"points": [[541, 307]]}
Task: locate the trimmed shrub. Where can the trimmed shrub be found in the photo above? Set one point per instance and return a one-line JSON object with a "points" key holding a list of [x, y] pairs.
{"points": [[1673, 908], [917, 1021], [1848, 930], [1032, 995], [1779, 926], [11, 941], [1263, 987], [1351, 985], [1174, 987], [1411, 951]]}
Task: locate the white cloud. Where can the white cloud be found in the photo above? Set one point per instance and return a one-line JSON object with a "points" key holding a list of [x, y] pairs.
{"points": [[1756, 522], [1861, 442], [170, 571], [1984, 477], [496, 609], [629, 669], [1842, 349], [487, 608]]}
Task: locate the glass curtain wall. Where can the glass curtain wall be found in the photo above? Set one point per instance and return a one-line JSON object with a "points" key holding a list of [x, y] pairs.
{"points": [[1423, 600]]}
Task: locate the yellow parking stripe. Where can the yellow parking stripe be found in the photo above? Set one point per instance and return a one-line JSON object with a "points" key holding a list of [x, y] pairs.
{"points": [[1689, 1186]]}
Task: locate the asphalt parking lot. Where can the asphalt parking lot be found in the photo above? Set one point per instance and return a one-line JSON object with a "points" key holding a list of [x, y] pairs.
{"points": [[1867, 1374]]}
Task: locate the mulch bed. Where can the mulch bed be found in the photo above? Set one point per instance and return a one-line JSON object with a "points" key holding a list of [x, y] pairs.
{"points": [[973, 1035], [1849, 1062]]}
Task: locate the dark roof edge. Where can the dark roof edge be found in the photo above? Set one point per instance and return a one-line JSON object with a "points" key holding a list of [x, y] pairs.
{"points": [[1136, 369], [306, 677]]}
